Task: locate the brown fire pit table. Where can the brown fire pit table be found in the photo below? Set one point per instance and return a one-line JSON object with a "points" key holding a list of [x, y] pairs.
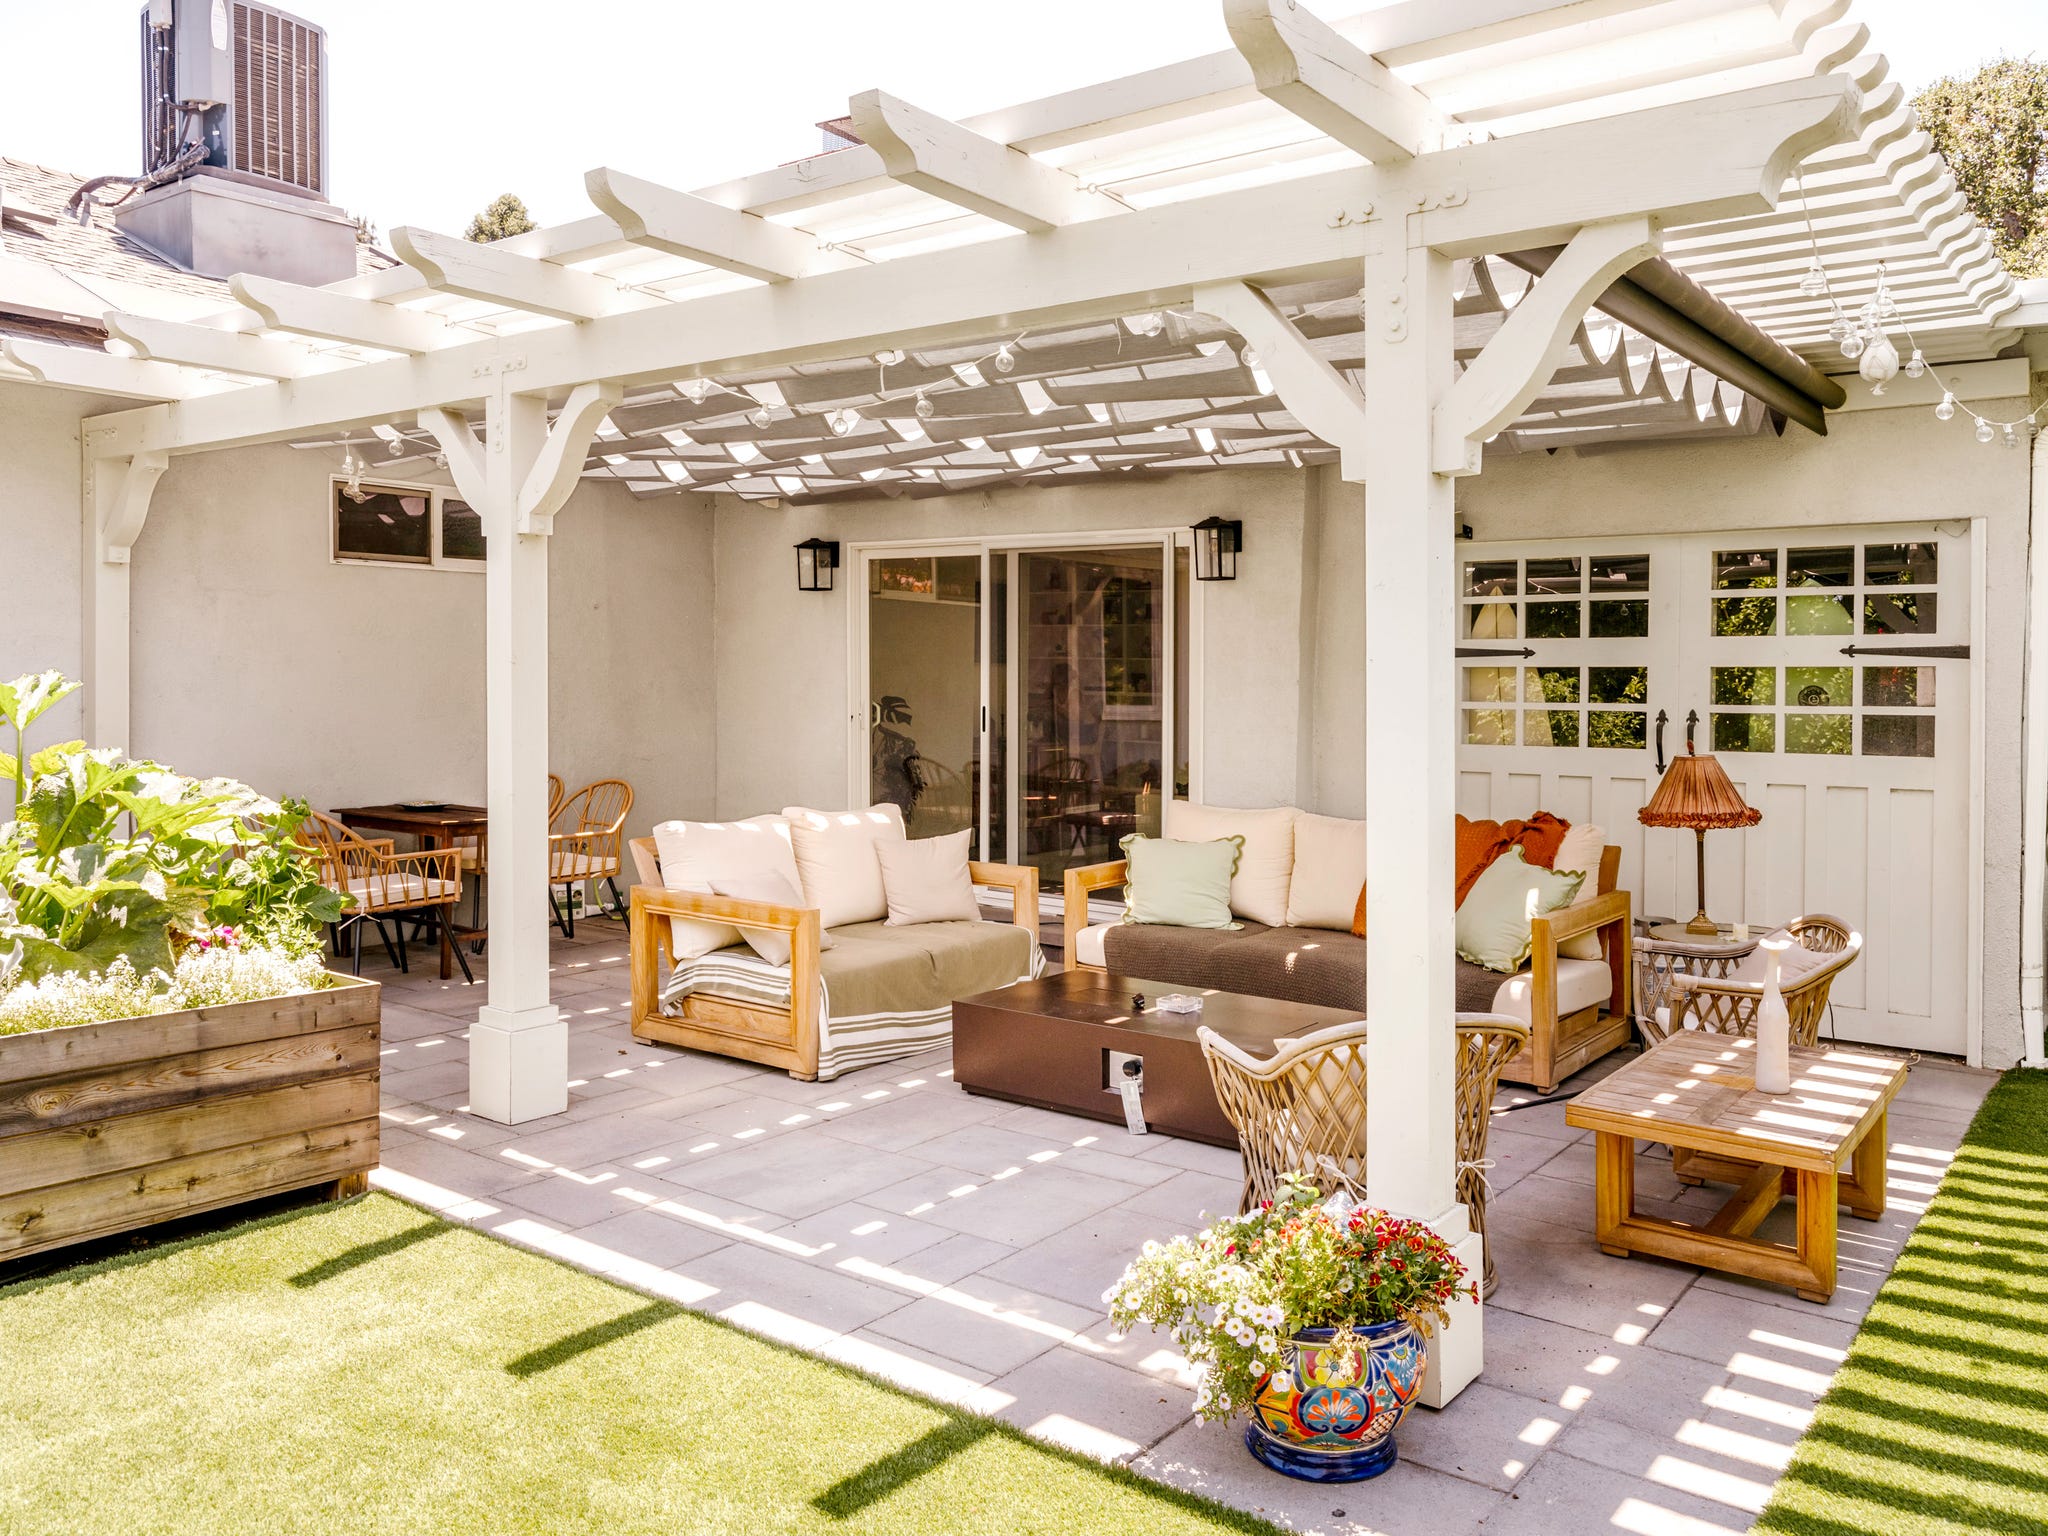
{"points": [[1058, 1043]]}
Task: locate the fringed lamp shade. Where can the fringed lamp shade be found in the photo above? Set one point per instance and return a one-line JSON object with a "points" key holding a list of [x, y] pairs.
{"points": [[1697, 795]]}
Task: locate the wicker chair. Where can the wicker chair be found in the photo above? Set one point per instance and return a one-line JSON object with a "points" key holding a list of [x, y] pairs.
{"points": [[383, 886], [1304, 1109], [1729, 1007], [586, 843]]}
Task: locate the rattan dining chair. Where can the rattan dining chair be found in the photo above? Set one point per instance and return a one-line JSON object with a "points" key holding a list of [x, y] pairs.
{"points": [[384, 887], [586, 844], [1303, 1109]]}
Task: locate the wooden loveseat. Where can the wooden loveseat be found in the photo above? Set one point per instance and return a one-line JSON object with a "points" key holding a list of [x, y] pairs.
{"points": [[1576, 1010], [877, 992]]}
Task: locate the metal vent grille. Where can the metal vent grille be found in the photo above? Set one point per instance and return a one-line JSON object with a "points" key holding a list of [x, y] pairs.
{"points": [[279, 77]]}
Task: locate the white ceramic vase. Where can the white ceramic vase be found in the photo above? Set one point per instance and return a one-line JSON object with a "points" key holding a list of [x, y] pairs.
{"points": [[1773, 1026]]}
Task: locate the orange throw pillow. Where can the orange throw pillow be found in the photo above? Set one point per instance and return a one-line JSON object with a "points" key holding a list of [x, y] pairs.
{"points": [[1479, 843], [1358, 915]]}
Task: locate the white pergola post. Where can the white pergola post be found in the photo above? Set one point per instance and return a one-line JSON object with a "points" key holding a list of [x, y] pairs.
{"points": [[1410, 764], [116, 493], [516, 478]]}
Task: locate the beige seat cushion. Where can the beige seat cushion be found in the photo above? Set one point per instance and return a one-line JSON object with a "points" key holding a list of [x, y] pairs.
{"points": [[1265, 867], [694, 853], [1329, 872], [565, 865], [1580, 984], [388, 892], [1088, 945], [836, 864]]}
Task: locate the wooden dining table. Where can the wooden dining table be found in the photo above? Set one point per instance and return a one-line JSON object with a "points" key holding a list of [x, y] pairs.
{"points": [[436, 826]]}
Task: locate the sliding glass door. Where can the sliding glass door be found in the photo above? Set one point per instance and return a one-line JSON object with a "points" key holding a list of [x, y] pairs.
{"points": [[1031, 692]]}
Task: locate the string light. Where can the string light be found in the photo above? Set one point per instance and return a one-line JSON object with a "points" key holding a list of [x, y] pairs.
{"points": [[1863, 340]]}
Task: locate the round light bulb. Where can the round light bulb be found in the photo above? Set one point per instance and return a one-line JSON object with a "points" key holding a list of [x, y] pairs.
{"points": [[1880, 360], [1005, 358], [1815, 282], [1838, 328], [889, 357], [760, 416], [1249, 358], [1852, 346], [924, 407], [1916, 365], [841, 422], [1946, 411], [2012, 438], [1985, 431]]}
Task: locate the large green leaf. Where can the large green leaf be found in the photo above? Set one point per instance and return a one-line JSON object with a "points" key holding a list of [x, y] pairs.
{"points": [[22, 700], [135, 928], [72, 804]]}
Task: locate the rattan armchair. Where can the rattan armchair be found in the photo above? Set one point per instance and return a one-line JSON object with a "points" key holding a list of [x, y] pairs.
{"points": [[1728, 1007], [382, 885], [1303, 1109], [586, 843]]}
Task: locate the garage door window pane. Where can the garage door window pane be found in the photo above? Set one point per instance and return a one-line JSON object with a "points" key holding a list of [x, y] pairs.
{"points": [[1550, 728], [1553, 576], [1622, 619], [1490, 727], [1491, 621], [1900, 565], [1553, 621], [1489, 578], [1618, 573], [1820, 616], [1898, 735], [1818, 734], [1899, 687], [1745, 733], [1617, 728], [1745, 568], [1831, 567], [1617, 685], [1818, 687], [1745, 615], [1552, 685], [1899, 613], [1745, 685]]}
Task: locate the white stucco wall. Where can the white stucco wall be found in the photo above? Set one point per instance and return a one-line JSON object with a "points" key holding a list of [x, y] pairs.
{"points": [[783, 705], [39, 542], [257, 657]]}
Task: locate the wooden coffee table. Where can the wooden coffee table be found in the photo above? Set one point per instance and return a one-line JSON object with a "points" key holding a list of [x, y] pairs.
{"points": [[1048, 1043], [1823, 1143]]}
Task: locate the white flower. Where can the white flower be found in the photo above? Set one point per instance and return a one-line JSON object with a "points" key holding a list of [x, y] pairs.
{"points": [[1258, 1367], [1113, 1295], [1268, 1343], [1151, 1247], [1282, 1383]]}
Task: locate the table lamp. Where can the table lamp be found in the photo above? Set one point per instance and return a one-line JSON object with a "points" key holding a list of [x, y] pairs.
{"points": [[1696, 793]]}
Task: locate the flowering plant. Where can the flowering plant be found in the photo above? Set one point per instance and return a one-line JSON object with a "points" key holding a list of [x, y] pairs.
{"points": [[1231, 1294]]}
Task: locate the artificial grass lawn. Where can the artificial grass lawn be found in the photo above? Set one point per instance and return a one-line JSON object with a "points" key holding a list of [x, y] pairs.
{"points": [[368, 1367], [1938, 1422]]}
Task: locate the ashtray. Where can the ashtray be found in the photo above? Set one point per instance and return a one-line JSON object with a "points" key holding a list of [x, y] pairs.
{"points": [[1177, 1002]]}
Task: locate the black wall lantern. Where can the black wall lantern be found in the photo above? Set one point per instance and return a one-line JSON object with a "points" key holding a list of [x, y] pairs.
{"points": [[1217, 542], [816, 560]]}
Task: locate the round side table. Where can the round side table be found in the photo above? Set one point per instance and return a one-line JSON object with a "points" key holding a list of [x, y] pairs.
{"points": [[1663, 949]]}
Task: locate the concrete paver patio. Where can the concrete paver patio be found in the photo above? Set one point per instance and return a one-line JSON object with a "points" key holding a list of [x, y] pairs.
{"points": [[960, 1246]]}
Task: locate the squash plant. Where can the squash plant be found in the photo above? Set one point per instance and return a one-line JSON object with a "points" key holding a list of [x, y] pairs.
{"points": [[109, 857]]}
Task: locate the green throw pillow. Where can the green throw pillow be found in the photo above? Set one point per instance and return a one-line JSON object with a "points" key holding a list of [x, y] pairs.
{"points": [[1493, 924], [1186, 885]]}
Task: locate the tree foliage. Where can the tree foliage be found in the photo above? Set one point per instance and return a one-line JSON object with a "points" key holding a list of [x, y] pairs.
{"points": [[506, 215], [1992, 128]]}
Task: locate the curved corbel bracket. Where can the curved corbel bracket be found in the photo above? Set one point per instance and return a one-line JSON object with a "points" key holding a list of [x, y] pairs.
{"points": [[560, 461], [122, 488]]}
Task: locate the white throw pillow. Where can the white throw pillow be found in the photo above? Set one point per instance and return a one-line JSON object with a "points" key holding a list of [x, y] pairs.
{"points": [[695, 853], [1329, 872], [926, 881], [1579, 853], [772, 944], [836, 863], [1259, 888]]}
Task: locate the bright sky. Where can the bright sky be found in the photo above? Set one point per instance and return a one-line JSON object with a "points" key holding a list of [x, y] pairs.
{"points": [[439, 105]]}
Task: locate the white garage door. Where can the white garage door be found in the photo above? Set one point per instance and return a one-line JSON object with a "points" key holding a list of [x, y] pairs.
{"points": [[1828, 671]]}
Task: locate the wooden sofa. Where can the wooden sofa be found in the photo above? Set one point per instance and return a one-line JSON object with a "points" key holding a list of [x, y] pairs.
{"points": [[1331, 970], [740, 1023]]}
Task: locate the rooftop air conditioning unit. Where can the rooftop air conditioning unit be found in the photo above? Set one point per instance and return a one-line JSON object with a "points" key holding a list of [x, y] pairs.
{"points": [[248, 80]]}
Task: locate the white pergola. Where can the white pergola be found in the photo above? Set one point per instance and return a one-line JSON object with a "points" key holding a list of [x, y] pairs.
{"points": [[1361, 205]]}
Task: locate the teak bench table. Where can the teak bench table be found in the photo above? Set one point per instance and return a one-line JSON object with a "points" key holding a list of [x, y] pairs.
{"points": [[1695, 1091]]}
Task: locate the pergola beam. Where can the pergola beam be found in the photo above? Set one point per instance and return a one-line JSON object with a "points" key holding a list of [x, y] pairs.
{"points": [[202, 346], [1535, 189], [693, 227], [1498, 384], [938, 156], [98, 373], [1302, 64], [1317, 395], [336, 317], [479, 271]]}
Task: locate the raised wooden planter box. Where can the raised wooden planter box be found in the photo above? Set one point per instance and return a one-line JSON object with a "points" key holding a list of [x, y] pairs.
{"points": [[110, 1126]]}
